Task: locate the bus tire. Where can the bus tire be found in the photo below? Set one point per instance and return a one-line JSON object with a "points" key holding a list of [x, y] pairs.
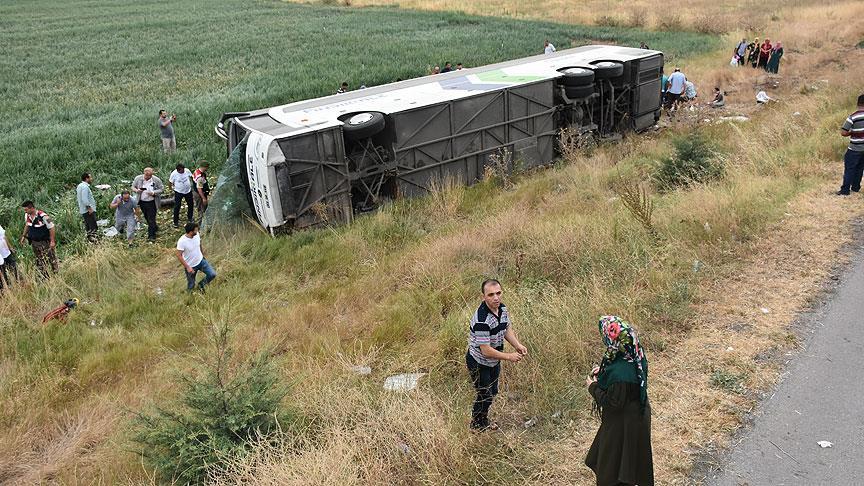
{"points": [[608, 70], [362, 125], [576, 76]]}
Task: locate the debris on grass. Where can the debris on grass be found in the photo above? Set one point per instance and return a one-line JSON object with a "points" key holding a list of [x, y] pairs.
{"points": [[737, 118], [361, 370], [825, 444], [403, 382]]}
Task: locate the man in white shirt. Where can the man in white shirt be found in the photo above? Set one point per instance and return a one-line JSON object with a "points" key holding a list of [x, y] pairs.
{"points": [[548, 48], [8, 263], [675, 87], [180, 181], [191, 256]]}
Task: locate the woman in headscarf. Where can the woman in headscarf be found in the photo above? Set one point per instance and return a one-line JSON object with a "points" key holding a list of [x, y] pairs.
{"points": [[774, 61], [621, 451], [753, 57], [764, 54]]}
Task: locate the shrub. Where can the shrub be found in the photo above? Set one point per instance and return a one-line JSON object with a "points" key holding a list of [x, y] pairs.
{"points": [[637, 18], [695, 160], [217, 416], [608, 21], [710, 24], [671, 22]]}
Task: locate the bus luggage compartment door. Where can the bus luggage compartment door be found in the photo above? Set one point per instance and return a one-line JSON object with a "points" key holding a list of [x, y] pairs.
{"points": [[313, 181]]}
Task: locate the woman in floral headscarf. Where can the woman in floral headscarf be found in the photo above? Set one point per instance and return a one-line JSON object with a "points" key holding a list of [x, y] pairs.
{"points": [[621, 451]]}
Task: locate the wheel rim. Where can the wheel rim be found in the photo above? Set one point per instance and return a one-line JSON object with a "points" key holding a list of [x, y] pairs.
{"points": [[607, 64], [360, 119], [577, 71]]}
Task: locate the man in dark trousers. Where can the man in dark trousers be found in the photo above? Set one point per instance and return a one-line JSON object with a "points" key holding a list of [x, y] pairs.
{"points": [[39, 231], [148, 187], [853, 161], [489, 328], [87, 206]]}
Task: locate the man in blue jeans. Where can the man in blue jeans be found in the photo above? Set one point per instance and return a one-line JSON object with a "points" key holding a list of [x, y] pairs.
{"points": [[191, 256], [853, 161]]}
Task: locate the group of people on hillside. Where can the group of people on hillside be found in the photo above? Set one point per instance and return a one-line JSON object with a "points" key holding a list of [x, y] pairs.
{"points": [[621, 452], [448, 67], [762, 55], [143, 197], [676, 89]]}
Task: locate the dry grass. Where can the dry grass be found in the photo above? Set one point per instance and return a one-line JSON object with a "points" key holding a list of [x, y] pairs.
{"points": [[699, 15]]}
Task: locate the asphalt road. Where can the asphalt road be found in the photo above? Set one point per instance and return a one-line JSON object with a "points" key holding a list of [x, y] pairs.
{"points": [[821, 397]]}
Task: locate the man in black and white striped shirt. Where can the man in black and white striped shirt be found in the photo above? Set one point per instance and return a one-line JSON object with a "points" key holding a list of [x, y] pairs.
{"points": [[853, 160], [489, 328]]}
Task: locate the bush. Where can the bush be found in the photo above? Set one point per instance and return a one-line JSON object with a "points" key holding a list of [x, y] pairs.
{"points": [[695, 160], [218, 415], [669, 22], [608, 21]]}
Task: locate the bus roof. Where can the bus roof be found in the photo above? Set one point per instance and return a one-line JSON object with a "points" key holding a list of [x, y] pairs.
{"points": [[321, 113]]}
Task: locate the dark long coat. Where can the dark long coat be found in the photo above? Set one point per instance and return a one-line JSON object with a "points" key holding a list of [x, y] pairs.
{"points": [[621, 451]]}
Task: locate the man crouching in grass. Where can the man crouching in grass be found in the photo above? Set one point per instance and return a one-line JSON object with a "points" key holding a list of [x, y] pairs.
{"points": [[489, 327], [191, 256]]}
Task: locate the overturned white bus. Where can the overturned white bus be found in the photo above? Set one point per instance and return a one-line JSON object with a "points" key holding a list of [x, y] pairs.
{"points": [[325, 159]]}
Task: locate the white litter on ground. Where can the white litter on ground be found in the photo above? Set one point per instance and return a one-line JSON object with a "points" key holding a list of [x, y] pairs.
{"points": [[825, 444], [765, 310], [102, 222], [738, 118], [403, 382], [110, 232], [361, 370], [104, 187]]}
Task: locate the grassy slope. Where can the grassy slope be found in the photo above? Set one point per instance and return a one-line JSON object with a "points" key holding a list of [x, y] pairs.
{"points": [[393, 291]]}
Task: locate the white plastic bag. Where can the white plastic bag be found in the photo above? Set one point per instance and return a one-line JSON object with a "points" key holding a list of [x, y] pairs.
{"points": [[734, 61]]}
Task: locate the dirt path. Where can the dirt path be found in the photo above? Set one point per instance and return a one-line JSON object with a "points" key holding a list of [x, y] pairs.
{"points": [[817, 400]]}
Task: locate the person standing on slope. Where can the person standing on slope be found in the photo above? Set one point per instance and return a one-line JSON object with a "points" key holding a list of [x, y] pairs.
{"points": [[87, 206], [191, 256], [149, 188], [201, 187], [166, 132], [40, 232], [180, 181], [489, 328], [621, 451], [9, 269], [853, 160]]}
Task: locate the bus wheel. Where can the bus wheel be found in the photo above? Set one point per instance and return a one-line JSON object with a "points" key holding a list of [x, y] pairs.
{"points": [[363, 125], [608, 69], [577, 76]]}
